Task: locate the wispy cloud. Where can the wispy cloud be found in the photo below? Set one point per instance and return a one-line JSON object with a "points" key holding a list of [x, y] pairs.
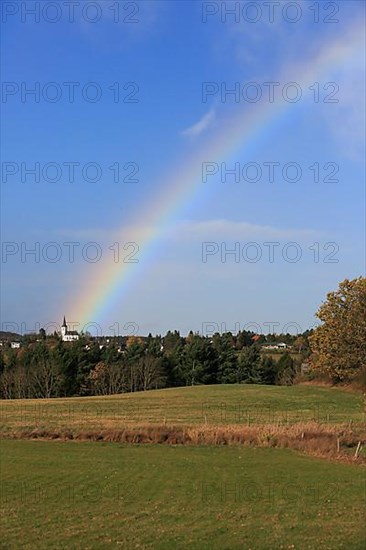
{"points": [[199, 127], [216, 229], [237, 230]]}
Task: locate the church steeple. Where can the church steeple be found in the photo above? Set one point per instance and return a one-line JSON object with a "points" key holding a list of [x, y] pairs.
{"points": [[63, 329]]}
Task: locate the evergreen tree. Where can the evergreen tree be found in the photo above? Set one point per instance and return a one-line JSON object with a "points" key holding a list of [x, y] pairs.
{"points": [[249, 364], [267, 371], [286, 370]]}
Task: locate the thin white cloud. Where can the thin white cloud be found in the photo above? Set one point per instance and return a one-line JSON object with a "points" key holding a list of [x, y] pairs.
{"points": [[194, 231], [199, 127], [237, 230]]}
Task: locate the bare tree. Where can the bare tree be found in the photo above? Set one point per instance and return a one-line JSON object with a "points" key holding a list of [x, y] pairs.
{"points": [[7, 384], [45, 378], [22, 382], [149, 372]]}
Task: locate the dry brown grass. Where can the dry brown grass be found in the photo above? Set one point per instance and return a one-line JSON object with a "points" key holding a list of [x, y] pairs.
{"points": [[336, 442]]}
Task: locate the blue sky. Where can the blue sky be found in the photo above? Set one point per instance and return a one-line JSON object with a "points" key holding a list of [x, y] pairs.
{"points": [[168, 53]]}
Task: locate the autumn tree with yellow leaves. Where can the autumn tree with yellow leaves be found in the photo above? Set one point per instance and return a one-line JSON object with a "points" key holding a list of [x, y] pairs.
{"points": [[338, 345]]}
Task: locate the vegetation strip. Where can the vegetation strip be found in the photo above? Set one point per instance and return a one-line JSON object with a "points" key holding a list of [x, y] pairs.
{"points": [[319, 440]]}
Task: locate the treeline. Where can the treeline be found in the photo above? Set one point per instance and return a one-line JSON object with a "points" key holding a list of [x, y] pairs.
{"points": [[47, 367]]}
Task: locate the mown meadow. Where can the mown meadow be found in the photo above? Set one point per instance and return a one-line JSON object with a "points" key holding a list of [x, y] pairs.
{"points": [[226, 467], [105, 495]]}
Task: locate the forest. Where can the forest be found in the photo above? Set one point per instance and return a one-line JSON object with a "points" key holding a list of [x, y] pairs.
{"points": [[45, 366]]}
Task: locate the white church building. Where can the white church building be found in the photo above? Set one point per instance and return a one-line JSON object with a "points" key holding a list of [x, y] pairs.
{"points": [[68, 335]]}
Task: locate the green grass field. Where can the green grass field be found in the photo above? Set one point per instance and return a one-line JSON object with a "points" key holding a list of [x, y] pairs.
{"points": [[97, 495], [221, 404]]}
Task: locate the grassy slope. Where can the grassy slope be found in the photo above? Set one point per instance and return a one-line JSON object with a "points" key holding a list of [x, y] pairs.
{"points": [[221, 404], [96, 495]]}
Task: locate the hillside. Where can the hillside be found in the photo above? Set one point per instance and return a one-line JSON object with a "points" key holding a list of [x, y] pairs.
{"points": [[8, 336], [218, 404]]}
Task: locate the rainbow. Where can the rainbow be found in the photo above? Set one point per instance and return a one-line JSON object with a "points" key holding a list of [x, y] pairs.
{"points": [[111, 280]]}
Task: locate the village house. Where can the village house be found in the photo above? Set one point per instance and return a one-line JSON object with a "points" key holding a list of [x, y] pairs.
{"points": [[280, 345]]}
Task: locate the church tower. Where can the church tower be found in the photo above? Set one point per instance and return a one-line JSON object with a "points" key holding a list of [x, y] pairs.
{"points": [[63, 329]]}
